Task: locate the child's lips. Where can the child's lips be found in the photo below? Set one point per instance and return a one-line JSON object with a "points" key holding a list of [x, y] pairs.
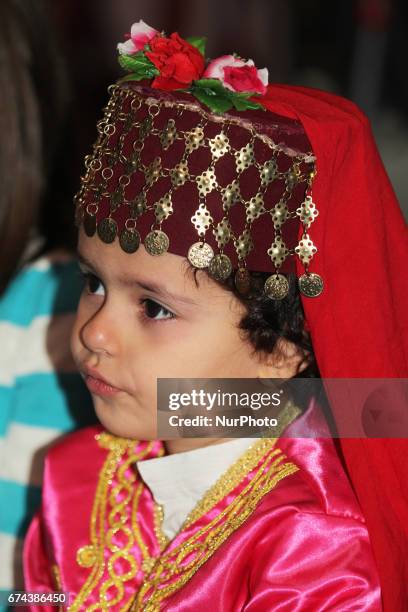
{"points": [[97, 384]]}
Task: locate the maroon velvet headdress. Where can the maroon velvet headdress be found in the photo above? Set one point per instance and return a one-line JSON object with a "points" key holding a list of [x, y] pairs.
{"points": [[227, 191]]}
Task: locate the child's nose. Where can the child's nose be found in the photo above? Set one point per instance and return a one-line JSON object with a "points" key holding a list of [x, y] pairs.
{"points": [[99, 333]]}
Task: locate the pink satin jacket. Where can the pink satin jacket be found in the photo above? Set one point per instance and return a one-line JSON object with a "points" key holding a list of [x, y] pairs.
{"points": [[280, 531]]}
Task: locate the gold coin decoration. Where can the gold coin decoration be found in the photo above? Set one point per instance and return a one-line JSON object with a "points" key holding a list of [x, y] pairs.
{"points": [[156, 242], [200, 254], [242, 281], [107, 230], [220, 267], [311, 284], [90, 224], [276, 286], [129, 240]]}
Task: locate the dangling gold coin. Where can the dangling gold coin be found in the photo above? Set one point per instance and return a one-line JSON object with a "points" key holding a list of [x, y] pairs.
{"points": [[129, 240], [200, 254], [276, 286], [107, 230], [311, 284], [90, 224], [242, 281], [220, 267], [156, 242]]}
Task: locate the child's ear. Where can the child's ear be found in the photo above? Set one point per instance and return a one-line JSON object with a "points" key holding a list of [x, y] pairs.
{"points": [[286, 361]]}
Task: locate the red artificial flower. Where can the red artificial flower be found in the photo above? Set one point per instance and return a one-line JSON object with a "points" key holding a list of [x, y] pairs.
{"points": [[244, 78], [238, 75], [177, 60]]}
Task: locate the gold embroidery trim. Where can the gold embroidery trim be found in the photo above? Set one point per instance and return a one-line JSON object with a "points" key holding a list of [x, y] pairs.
{"points": [[108, 517], [161, 537], [56, 578], [215, 533], [242, 466]]}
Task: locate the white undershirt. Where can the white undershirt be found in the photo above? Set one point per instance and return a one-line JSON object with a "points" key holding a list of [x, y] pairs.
{"points": [[177, 482]]}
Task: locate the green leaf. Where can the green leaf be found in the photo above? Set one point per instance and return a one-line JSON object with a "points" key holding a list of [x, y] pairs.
{"points": [[138, 64], [212, 86], [243, 103], [217, 104], [198, 42], [131, 77]]}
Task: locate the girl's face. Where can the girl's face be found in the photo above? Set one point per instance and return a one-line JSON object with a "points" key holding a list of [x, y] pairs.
{"points": [[142, 317]]}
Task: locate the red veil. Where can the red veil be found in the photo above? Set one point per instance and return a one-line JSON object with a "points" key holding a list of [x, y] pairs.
{"points": [[359, 324]]}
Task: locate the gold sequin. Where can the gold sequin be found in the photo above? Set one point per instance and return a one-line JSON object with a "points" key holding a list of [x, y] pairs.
{"points": [[163, 208], [231, 195], [179, 174], [268, 172], [219, 145], [255, 207], [153, 171], [244, 157], [194, 138], [278, 251], [279, 213], [116, 200], [145, 127], [307, 212], [244, 244], [201, 219], [139, 205], [132, 163], [168, 135], [222, 232], [206, 182], [305, 249]]}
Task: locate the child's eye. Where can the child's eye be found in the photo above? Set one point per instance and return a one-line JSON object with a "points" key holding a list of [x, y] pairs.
{"points": [[92, 283], [154, 310]]}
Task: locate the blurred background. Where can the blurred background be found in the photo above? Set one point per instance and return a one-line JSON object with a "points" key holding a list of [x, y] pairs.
{"points": [[356, 48]]}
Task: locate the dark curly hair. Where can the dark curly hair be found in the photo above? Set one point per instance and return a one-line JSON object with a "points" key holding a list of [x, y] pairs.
{"points": [[267, 321]]}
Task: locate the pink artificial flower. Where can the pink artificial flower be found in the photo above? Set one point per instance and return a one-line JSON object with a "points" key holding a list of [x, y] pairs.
{"points": [[140, 35], [237, 75]]}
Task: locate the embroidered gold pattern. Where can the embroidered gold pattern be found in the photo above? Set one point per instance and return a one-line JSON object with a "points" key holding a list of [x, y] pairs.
{"points": [[113, 502], [158, 522], [178, 565], [56, 577], [115, 508]]}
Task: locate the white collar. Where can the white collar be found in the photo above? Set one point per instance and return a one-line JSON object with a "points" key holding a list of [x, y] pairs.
{"points": [[177, 482]]}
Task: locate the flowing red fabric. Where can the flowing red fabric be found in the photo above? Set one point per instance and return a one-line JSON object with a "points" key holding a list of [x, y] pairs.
{"points": [[359, 325]]}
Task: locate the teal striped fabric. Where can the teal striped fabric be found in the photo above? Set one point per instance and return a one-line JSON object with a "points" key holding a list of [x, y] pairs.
{"points": [[41, 395]]}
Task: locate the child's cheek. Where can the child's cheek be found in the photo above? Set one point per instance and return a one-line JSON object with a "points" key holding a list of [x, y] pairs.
{"points": [[75, 344]]}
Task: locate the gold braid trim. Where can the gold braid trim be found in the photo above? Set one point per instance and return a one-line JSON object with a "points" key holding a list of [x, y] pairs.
{"points": [[242, 466], [170, 566], [108, 517]]}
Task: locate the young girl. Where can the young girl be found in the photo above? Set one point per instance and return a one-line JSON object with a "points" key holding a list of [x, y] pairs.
{"points": [[204, 166]]}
